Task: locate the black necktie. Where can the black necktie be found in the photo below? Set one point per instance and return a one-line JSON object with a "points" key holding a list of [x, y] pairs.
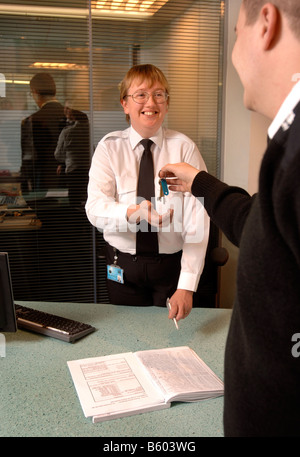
{"points": [[146, 239]]}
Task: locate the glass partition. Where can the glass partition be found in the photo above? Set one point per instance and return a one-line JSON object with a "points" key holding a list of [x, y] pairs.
{"points": [[87, 47]]}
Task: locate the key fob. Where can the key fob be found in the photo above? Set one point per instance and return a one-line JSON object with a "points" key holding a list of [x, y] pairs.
{"points": [[164, 186]]}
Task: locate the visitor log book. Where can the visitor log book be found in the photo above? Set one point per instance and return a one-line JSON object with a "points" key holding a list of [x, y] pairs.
{"points": [[121, 385]]}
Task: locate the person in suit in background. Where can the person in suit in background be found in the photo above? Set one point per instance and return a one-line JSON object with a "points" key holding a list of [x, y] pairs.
{"points": [[39, 135], [262, 366], [73, 151]]}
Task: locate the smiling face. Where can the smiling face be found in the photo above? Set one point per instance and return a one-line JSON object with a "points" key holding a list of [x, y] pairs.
{"points": [[145, 118]]}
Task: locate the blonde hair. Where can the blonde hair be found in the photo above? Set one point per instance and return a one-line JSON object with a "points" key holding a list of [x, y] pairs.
{"points": [[290, 8], [145, 72]]}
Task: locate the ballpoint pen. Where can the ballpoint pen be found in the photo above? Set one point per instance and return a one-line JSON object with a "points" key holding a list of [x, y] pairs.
{"points": [[169, 307]]}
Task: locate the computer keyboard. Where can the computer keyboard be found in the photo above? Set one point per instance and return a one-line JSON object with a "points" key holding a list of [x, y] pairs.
{"points": [[12, 201], [51, 325]]}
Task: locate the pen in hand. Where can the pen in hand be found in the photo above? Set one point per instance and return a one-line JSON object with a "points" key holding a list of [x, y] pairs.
{"points": [[169, 307]]}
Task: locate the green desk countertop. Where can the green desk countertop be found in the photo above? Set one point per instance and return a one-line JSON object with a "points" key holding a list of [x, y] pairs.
{"points": [[37, 395]]}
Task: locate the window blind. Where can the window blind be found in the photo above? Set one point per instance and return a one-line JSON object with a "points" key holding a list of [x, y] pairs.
{"points": [[87, 47]]}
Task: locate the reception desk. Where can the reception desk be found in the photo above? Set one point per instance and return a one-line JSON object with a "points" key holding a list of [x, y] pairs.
{"points": [[38, 398]]}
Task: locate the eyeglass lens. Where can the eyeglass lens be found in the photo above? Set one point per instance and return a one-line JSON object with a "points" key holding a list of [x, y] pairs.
{"points": [[141, 96]]}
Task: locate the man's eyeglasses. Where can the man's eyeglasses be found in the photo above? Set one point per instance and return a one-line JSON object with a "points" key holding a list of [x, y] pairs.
{"points": [[159, 96]]}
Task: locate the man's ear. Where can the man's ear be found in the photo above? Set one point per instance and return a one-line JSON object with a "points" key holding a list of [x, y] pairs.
{"points": [[269, 21]]}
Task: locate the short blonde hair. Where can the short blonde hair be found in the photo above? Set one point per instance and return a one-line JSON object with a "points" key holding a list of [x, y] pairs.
{"points": [[146, 72]]}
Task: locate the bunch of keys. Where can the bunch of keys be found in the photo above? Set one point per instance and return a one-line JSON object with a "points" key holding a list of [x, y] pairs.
{"points": [[163, 188]]}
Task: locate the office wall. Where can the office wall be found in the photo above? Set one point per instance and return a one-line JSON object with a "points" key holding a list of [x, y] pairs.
{"points": [[244, 141]]}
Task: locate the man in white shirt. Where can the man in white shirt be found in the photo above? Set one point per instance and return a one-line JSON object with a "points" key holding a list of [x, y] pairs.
{"points": [[113, 206]]}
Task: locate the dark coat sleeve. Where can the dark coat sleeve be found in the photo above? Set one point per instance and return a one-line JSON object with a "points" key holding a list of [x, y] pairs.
{"points": [[227, 206]]}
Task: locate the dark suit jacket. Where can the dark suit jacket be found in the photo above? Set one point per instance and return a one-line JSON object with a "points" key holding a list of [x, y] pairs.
{"points": [[262, 365], [44, 126]]}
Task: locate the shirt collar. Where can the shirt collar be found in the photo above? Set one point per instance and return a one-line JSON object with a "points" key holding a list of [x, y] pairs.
{"points": [[135, 137], [49, 101], [285, 116]]}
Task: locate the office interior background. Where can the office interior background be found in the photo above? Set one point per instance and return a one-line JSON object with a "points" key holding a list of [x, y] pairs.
{"points": [[88, 46]]}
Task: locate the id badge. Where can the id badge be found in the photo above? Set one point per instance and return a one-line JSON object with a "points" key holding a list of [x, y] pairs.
{"points": [[115, 273]]}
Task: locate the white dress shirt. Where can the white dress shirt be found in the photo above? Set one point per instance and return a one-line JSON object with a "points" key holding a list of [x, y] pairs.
{"points": [[113, 188], [285, 116]]}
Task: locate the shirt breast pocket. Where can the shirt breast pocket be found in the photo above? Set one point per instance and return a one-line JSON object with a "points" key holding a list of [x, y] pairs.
{"points": [[126, 189]]}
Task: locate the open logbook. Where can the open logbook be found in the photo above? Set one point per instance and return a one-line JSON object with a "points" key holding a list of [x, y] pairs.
{"points": [[121, 385]]}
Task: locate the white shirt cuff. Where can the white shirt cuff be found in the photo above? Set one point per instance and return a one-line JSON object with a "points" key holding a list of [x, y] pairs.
{"points": [[188, 281]]}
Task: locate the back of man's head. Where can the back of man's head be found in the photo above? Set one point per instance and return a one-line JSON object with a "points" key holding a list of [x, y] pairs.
{"points": [[43, 84], [290, 8]]}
